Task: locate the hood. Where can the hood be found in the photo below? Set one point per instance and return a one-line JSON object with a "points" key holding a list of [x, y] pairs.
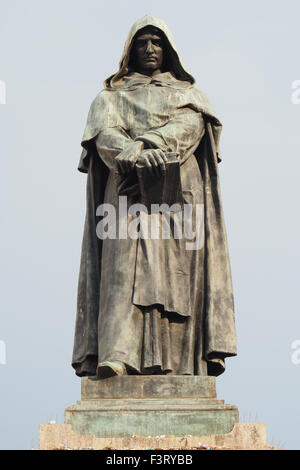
{"points": [[177, 65]]}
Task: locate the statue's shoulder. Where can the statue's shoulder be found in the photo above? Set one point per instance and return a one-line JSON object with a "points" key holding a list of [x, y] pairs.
{"points": [[101, 104], [101, 98], [199, 98], [199, 95]]}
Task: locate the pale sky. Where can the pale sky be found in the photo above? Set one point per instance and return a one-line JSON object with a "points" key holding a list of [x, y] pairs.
{"points": [[54, 57]]}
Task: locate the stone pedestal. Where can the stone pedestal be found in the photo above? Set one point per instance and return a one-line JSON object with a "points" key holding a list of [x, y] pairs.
{"points": [[120, 407], [250, 436]]}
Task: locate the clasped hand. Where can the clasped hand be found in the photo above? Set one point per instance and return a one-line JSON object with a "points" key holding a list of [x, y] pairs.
{"points": [[134, 154]]}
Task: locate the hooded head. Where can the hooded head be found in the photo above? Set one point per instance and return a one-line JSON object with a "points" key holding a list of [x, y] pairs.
{"points": [[171, 60]]}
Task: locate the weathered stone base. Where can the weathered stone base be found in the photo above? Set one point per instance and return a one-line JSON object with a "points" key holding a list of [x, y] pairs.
{"points": [[244, 436], [150, 406], [142, 412]]}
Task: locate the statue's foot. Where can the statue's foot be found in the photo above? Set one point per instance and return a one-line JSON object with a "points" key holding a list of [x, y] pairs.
{"points": [[110, 368]]}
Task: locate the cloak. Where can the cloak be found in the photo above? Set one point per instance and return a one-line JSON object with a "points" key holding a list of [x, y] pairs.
{"points": [[218, 328]]}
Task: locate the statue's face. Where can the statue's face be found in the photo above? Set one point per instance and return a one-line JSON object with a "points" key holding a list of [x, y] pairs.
{"points": [[148, 52]]}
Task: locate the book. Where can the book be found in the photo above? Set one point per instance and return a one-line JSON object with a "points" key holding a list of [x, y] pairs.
{"points": [[147, 187], [161, 189]]}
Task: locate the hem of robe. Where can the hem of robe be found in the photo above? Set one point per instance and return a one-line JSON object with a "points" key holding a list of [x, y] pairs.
{"points": [[167, 345], [88, 367]]}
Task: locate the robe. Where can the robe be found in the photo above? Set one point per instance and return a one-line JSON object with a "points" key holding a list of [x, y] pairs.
{"points": [[153, 304]]}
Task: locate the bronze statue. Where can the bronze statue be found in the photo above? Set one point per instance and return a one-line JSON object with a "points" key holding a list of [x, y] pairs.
{"points": [[151, 305]]}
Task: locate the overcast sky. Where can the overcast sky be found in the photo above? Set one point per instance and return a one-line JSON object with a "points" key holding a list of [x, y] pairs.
{"points": [[54, 57]]}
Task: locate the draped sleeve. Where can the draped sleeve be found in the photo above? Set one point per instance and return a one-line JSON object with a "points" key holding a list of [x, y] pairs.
{"points": [[181, 134], [110, 142]]}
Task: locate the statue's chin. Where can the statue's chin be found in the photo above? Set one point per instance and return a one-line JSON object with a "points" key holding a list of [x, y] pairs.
{"points": [[150, 71]]}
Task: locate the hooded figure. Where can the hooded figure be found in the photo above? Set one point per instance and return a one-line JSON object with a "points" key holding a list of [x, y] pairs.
{"points": [[153, 306]]}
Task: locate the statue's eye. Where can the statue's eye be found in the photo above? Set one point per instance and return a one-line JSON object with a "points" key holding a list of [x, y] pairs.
{"points": [[140, 43]]}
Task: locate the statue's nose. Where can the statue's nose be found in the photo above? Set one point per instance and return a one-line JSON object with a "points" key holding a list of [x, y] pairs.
{"points": [[149, 47]]}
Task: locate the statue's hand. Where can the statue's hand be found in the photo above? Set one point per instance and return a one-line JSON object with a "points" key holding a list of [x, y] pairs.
{"points": [[154, 159], [126, 160]]}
